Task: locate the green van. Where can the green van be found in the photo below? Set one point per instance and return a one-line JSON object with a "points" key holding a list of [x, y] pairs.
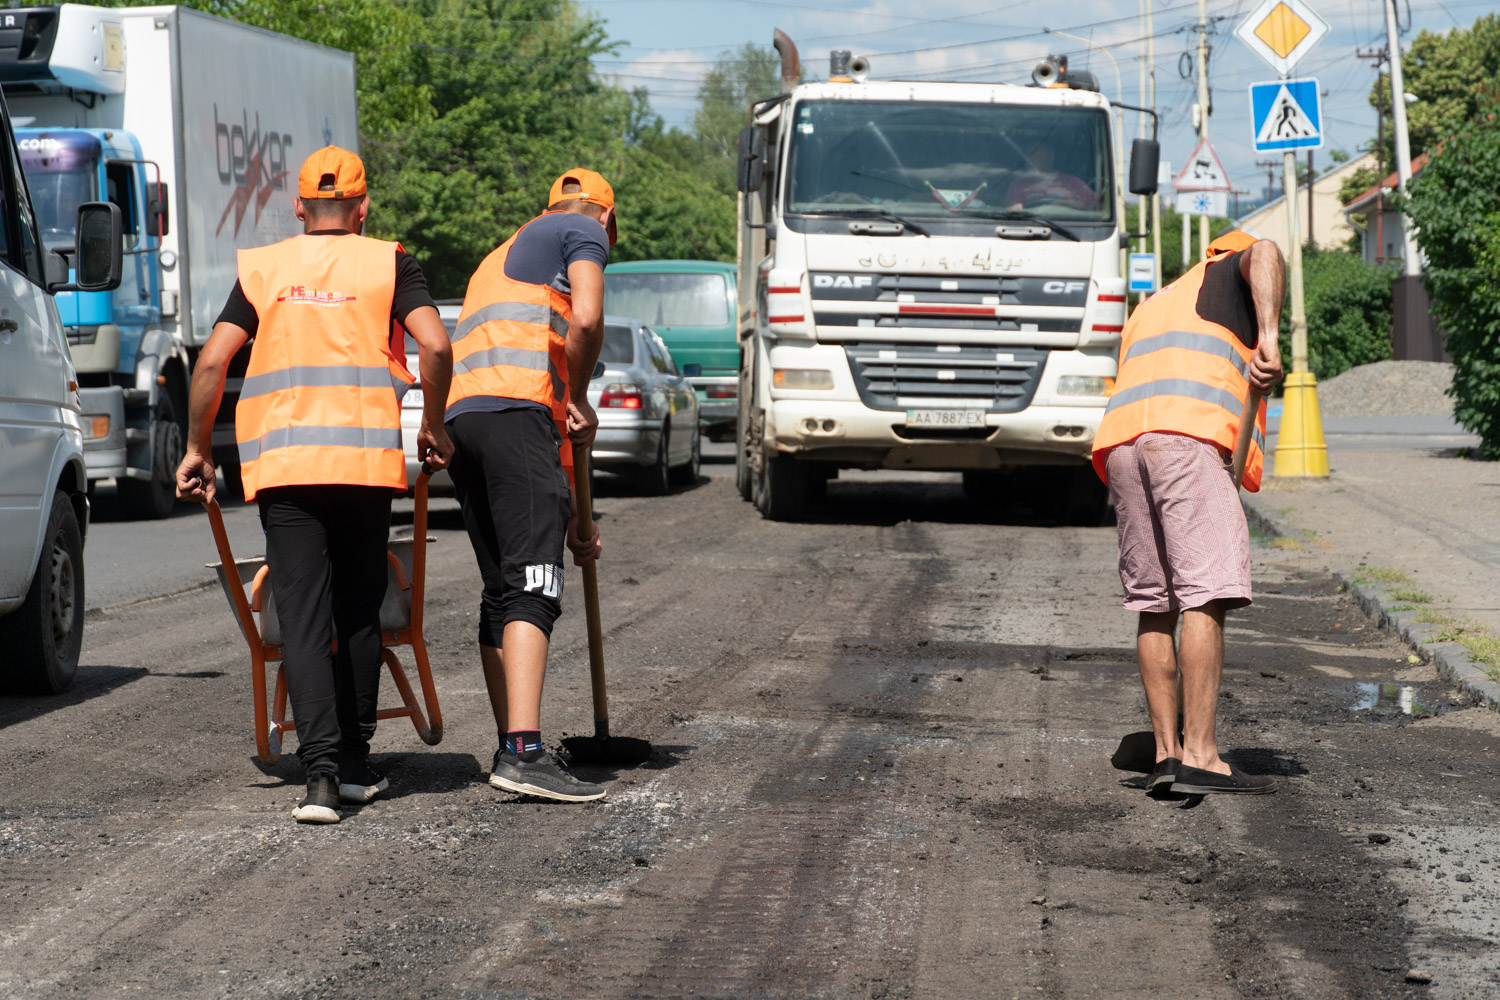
{"points": [[692, 305]]}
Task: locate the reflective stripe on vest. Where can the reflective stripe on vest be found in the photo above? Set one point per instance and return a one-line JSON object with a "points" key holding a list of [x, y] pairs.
{"points": [[1181, 374], [320, 403], [510, 341]]}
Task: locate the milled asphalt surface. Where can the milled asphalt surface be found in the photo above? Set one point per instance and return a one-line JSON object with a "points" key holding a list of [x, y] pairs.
{"points": [[881, 770]]}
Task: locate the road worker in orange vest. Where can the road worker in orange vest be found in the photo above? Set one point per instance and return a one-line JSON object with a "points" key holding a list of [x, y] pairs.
{"points": [[319, 430], [524, 351], [1187, 357]]}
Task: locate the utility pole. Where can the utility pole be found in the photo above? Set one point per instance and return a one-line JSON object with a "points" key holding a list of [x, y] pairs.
{"points": [[1151, 84], [1202, 101], [1398, 128], [1237, 192], [1378, 56], [1270, 166]]}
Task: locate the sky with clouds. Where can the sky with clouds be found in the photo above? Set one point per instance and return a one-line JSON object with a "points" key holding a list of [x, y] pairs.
{"points": [[669, 44]]}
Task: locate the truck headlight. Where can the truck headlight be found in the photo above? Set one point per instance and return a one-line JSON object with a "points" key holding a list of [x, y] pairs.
{"points": [[802, 378], [1085, 385]]}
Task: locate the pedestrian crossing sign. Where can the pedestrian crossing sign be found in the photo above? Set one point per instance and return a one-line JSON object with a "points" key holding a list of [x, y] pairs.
{"points": [[1286, 114]]}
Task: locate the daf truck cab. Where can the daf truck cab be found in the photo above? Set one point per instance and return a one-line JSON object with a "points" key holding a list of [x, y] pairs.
{"points": [[930, 279]]}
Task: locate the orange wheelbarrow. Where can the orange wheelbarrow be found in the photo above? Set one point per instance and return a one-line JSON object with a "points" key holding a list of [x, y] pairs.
{"points": [[400, 625]]}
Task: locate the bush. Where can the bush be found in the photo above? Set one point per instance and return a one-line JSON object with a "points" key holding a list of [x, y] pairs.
{"points": [[1348, 312], [1455, 203]]}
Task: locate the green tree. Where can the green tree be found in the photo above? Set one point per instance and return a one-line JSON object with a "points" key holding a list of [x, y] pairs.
{"points": [[1449, 73], [1455, 204], [1348, 305], [737, 80]]}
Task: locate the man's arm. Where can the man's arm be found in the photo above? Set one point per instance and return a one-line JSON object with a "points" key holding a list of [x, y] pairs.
{"points": [[435, 362], [585, 339], [1265, 272], [203, 406]]}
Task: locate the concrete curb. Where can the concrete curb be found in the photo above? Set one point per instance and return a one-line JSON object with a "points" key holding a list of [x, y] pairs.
{"points": [[1452, 659]]}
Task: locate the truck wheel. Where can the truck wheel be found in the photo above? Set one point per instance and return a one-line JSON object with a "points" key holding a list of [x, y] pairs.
{"points": [[154, 498], [744, 474], [783, 489], [1085, 499], [656, 478], [42, 637]]}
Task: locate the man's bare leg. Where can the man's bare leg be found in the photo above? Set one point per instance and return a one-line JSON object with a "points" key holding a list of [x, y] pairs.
{"points": [[514, 677], [1201, 659], [1158, 662]]}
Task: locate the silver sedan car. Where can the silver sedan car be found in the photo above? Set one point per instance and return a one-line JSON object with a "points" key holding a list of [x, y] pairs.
{"points": [[648, 413]]}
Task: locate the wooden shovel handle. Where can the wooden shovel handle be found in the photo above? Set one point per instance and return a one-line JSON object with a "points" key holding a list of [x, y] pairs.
{"points": [[1247, 431], [581, 486]]}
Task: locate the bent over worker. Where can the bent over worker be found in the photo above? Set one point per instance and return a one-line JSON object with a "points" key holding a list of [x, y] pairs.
{"points": [[1187, 357], [319, 432], [524, 351]]}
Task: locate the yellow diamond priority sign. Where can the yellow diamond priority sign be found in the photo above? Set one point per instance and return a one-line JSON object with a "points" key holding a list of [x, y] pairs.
{"points": [[1282, 31]]}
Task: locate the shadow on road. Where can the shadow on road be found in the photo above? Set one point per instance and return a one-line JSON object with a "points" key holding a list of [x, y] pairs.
{"points": [[892, 501], [411, 772], [90, 682]]}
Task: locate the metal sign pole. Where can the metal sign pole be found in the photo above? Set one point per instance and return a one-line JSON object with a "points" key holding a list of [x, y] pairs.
{"points": [[1294, 264]]}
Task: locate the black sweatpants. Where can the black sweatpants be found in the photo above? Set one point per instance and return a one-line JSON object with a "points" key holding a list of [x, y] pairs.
{"points": [[508, 476], [326, 546]]}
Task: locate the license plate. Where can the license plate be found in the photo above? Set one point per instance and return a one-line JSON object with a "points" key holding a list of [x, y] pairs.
{"points": [[945, 418], [413, 399]]}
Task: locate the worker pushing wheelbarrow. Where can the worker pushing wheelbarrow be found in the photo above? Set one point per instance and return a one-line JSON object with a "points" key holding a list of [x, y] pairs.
{"points": [[318, 429]]}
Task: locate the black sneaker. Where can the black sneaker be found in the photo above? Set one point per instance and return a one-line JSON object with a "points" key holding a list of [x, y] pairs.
{"points": [[1196, 781], [1164, 774], [542, 777], [322, 802], [359, 782]]}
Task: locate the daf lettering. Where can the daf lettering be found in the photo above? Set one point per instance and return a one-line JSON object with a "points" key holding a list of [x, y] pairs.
{"points": [[842, 281]]}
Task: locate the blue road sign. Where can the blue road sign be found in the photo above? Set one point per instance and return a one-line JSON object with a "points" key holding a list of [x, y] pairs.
{"points": [[1286, 114], [1142, 272]]}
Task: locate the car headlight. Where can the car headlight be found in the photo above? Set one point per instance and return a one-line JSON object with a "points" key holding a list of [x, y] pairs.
{"points": [[1085, 385], [802, 378]]}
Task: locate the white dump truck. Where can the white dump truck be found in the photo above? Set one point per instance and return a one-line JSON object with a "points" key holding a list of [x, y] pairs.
{"points": [[930, 278], [195, 127]]}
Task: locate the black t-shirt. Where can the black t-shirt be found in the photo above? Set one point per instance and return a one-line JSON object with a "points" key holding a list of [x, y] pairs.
{"points": [[1225, 299], [411, 292]]}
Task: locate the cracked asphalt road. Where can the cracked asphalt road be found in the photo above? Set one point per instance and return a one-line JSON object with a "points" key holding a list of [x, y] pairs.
{"points": [[881, 771]]}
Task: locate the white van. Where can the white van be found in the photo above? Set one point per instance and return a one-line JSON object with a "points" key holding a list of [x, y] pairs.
{"points": [[43, 504]]}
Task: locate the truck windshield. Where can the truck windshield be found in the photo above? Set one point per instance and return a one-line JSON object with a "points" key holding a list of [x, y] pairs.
{"points": [[949, 160], [62, 174], [663, 299]]}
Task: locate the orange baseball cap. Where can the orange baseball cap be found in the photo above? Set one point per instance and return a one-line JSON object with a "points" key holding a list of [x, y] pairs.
{"points": [[331, 165], [1237, 239], [595, 189]]}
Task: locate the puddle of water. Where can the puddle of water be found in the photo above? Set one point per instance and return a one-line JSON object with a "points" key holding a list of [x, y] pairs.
{"points": [[1392, 699]]}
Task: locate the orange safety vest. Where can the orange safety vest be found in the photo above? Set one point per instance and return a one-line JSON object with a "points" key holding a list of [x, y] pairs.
{"points": [[321, 399], [1181, 374], [511, 341]]}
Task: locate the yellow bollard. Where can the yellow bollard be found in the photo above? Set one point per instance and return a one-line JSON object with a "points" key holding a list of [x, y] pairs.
{"points": [[1300, 449]]}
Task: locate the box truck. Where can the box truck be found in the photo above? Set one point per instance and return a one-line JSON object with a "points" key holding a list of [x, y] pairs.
{"points": [[195, 126]]}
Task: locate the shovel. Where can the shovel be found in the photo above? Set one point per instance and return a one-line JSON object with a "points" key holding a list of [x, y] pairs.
{"points": [[601, 748]]}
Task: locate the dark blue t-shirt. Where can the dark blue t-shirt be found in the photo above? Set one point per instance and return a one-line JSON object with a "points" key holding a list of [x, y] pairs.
{"points": [[540, 256]]}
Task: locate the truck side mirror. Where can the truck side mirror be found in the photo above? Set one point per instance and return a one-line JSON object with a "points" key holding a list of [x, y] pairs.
{"points": [[100, 254], [692, 370], [157, 221], [752, 161], [1145, 159]]}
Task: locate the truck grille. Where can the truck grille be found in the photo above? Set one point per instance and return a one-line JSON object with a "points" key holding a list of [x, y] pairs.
{"points": [[892, 376]]}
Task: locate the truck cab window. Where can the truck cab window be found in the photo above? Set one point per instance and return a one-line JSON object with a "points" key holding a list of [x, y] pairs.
{"points": [[118, 178]]}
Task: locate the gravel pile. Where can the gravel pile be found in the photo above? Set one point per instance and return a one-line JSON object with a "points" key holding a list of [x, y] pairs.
{"points": [[1389, 388]]}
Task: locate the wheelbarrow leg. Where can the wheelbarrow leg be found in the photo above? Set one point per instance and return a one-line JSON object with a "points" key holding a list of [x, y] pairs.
{"points": [[408, 696]]}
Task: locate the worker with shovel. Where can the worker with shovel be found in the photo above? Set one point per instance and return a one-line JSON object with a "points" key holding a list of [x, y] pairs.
{"points": [[524, 350], [1184, 423]]}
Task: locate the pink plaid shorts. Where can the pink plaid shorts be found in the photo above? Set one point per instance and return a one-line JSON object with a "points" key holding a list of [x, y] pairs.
{"points": [[1183, 539]]}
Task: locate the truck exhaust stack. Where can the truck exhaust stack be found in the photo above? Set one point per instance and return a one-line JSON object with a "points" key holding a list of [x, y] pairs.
{"points": [[791, 64]]}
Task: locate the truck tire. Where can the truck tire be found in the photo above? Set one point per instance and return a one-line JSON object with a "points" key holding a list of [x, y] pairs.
{"points": [[1084, 500], [42, 637], [783, 489], [154, 498]]}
